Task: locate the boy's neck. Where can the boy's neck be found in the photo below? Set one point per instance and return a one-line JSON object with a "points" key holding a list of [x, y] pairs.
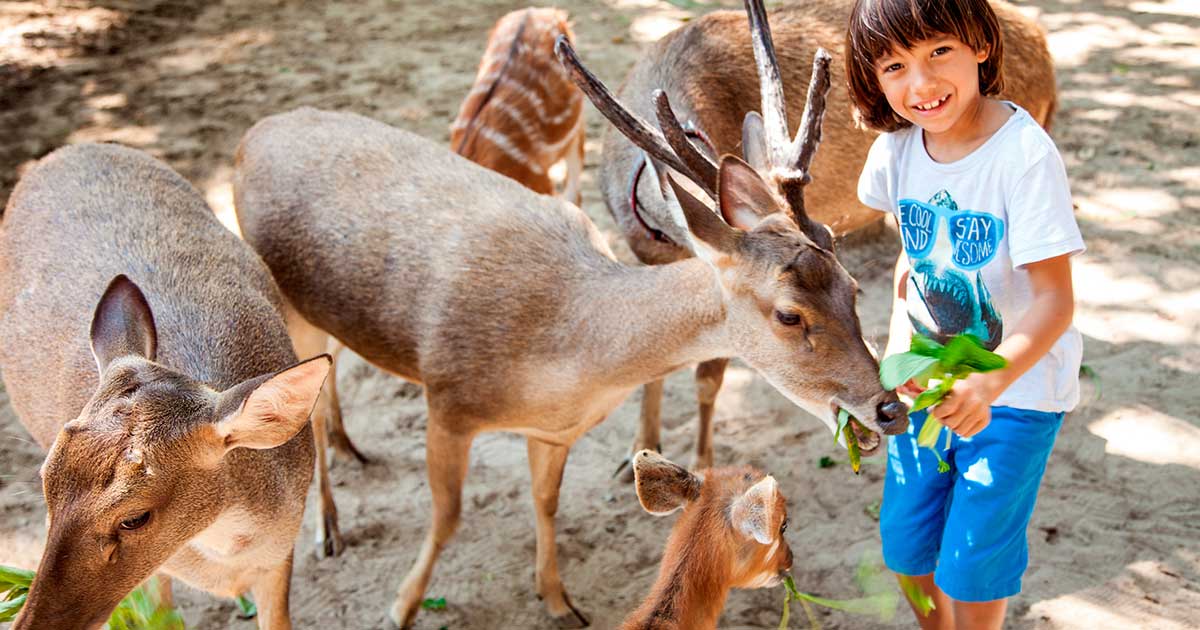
{"points": [[969, 132]]}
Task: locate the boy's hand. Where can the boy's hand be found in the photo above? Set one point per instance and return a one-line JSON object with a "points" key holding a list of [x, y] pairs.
{"points": [[967, 409], [910, 389]]}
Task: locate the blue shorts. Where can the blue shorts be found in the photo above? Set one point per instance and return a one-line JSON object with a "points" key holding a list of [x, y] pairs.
{"points": [[967, 526]]}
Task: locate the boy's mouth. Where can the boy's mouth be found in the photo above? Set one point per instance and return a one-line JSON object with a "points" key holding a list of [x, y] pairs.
{"points": [[929, 107]]}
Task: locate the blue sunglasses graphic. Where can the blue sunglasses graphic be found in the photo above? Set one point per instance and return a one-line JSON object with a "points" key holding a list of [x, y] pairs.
{"points": [[974, 236]]}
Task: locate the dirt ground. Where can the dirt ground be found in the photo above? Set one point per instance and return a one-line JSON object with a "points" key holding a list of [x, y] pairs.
{"points": [[1115, 541]]}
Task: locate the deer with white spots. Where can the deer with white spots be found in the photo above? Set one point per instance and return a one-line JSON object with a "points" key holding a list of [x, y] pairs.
{"points": [[144, 347], [730, 535], [523, 115]]}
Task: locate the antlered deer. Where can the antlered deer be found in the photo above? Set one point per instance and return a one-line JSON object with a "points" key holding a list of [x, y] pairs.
{"points": [[189, 451], [523, 114], [730, 535], [706, 70]]}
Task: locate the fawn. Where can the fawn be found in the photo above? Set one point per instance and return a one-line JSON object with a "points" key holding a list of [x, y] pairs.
{"points": [[730, 535], [523, 114], [512, 311], [189, 452], [706, 70]]}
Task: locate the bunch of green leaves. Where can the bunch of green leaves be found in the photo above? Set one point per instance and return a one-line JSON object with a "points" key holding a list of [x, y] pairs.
{"points": [[140, 610], [879, 597], [936, 368]]}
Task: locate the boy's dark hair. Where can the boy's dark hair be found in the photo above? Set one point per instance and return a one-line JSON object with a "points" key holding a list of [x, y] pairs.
{"points": [[878, 26]]}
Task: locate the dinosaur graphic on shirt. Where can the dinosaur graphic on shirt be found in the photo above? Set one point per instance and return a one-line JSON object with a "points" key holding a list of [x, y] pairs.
{"points": [[947, 295]]}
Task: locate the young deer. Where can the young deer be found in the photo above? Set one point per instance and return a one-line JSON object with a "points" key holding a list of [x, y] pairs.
{"points": [[705, 69], [511, 310], [523, 114], [730, 535], [189, 452]]}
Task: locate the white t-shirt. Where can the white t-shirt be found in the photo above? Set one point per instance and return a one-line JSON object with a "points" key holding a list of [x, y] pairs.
{"points": [[968, 227]]}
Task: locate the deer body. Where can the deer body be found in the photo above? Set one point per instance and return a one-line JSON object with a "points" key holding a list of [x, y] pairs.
{"points": [[507, 305], [706, 68], [181, 370], [523, 114], [730, 535]]}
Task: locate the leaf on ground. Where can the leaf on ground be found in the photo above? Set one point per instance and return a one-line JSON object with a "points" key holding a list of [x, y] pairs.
{"points": [[826, 462], [434, 604]]}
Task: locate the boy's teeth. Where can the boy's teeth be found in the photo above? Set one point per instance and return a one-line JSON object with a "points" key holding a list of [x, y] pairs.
{"points": [[931, 105]]}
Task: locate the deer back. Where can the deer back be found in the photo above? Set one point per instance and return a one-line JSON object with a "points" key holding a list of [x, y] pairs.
{"points": [[707, 69], [522, 110]]}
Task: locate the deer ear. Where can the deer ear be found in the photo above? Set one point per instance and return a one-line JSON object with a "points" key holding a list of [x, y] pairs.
{"points": [[663, 486], [744, 197], [754, 143], [122, 324], [267, 411], [703, 223], [756, 514]]}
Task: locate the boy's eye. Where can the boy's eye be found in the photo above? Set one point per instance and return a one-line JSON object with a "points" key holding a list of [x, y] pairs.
{"points": [[891, 67], [940, 50]]}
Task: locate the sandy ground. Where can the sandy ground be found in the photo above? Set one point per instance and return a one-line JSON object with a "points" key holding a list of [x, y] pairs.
{"points": [[1115, 541]]}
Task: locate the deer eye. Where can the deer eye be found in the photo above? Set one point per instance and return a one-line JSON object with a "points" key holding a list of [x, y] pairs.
{"points": [[788, 319], [136, 522]]}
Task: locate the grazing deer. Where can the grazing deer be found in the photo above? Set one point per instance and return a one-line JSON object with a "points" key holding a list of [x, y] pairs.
{"points": [[189, 452], [512, 311], [730, 535], [523, 114], [705, 69]]}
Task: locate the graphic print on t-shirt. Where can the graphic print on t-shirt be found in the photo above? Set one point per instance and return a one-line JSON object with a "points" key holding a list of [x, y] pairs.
{"points": [[946, 249]]}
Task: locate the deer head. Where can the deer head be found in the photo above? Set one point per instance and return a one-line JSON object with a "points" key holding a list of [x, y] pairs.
{"points": [[140, 471], [790, 305]]}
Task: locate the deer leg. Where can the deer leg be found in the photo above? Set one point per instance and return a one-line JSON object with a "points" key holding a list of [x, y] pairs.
{"points": [[572, 190], [709, 376], [308, 341], [342, 446], [649, 428], [546, 462], [446, 459], [271, 597]]}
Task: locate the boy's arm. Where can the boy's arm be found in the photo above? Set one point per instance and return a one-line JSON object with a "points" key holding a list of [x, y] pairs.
{"points": [[900, 329], [967, 408]]}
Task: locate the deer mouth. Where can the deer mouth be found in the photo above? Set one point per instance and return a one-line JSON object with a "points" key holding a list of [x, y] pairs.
{"points": [[868, 439]]}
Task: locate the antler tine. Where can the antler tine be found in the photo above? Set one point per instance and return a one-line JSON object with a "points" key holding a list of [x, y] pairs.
{"points": [[631, 125], [700, 165], [770, 84], [809, 136]]}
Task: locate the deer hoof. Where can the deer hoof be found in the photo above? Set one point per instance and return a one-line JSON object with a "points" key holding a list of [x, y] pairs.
{"points": [[571, 618], [343, 448], [329, 538]]}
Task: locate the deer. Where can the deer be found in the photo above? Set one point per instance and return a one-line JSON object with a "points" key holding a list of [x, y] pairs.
{"points": [[730, 535], [513, 313], [522, 116], [153, 364], [705, 69]]}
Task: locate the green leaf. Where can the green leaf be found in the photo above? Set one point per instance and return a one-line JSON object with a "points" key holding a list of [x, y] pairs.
{"points": [[943, 467], [12, 576], [246, 608], [1086, 370], [926, 399], [434, 604], [897, 369], [873, 508], [826, 462], [925, 346], [929, 432], [917, 595], [843, 422], [852, 448], [9, 609], [968, 351]]}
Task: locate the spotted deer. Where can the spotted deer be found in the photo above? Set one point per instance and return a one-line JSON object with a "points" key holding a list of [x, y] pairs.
{"points": [[523, 114], [512, 311], [174, 413], [730, 535], [706, 70]]}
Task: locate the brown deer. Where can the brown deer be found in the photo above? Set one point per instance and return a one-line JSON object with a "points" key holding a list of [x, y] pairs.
{"points": [[189, 452], [511, 310], [523, 114], [705, 69], [730, 535]]}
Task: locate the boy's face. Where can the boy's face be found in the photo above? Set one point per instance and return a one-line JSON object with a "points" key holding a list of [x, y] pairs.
{"points": [[932, 84]]}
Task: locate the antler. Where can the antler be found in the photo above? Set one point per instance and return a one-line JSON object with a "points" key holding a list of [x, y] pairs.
{"points": [[699, 164], [789, 160], [637, 129]]}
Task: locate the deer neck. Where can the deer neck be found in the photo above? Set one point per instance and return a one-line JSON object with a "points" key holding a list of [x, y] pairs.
{"points": [[693, 581], [637, 324]]}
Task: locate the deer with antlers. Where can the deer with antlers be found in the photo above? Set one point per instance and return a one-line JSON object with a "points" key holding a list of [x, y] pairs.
{"points": [[705, 69], [730, 535], [512, 311]]}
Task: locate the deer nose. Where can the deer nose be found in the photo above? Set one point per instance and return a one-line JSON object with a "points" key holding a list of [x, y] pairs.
{"points": [[892, 417]]}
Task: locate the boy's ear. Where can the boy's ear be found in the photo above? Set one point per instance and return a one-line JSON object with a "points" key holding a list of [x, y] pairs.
{"points": [[982, 54], [663, 486], [755, 514]]}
